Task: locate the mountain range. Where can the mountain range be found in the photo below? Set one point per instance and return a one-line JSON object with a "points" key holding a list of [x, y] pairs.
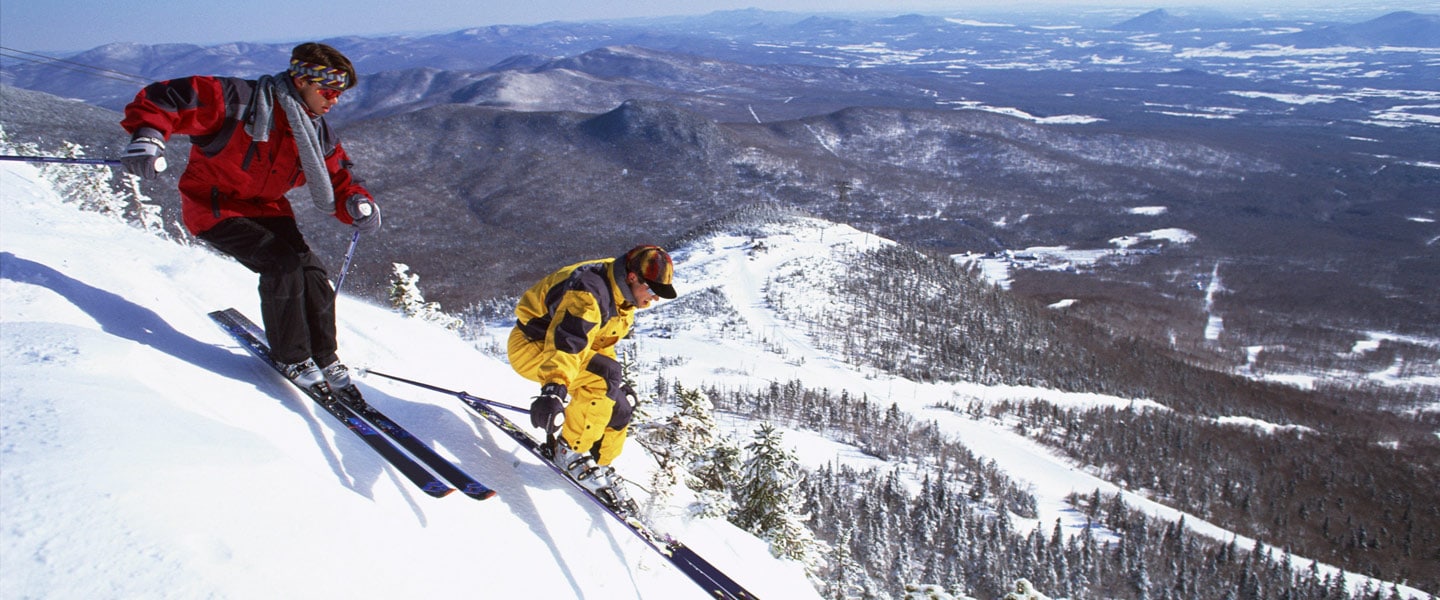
{"points": [[1193, 255], [1308, 196]]}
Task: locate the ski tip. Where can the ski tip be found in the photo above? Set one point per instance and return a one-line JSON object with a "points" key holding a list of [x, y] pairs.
{"points": [[478, 491], [439, 491]]}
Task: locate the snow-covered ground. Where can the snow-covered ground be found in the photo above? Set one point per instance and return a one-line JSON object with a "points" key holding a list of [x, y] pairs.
{"points": [[759, 347], [143, 454]]}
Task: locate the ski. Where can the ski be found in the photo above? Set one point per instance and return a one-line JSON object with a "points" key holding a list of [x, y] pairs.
{"points": [[702, 572], [441, 465], [251, 337]]}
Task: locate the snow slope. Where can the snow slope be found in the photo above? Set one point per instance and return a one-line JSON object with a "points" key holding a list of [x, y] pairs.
{"points": [[755, 346], [144, 454]]}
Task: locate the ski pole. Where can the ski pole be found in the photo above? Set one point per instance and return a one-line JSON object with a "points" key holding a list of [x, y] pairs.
{"points": [[62, 159], [349, 256], [433, 388]]}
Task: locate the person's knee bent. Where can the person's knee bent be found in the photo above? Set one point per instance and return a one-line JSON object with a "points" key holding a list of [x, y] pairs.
{"points": [[524, 355], [621, 413]]}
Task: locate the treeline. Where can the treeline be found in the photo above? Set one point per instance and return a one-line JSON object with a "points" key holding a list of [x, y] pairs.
{"points": [[929, 319], [1153, 559], [1369, 503], [959, 531], [888, 434], [1337, 493], [884, 537]]}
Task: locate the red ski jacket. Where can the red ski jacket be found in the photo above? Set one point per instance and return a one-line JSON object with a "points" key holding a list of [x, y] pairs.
{"points": [[230, 174]]}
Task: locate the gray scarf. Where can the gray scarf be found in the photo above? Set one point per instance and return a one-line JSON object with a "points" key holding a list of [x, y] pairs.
{"points": [[279, 89]]}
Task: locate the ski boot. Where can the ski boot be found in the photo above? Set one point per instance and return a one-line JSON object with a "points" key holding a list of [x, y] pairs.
{"points": [[306, 375], [337, 377], [602, 481]]}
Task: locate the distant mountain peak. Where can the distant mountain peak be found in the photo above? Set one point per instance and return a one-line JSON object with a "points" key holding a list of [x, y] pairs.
{"points": [[913, 20], [1400, 28], [1155, 20], [655, 123]]}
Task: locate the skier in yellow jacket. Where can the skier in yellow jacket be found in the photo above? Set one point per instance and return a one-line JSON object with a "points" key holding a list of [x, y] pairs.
{"points": [[564, 338]]}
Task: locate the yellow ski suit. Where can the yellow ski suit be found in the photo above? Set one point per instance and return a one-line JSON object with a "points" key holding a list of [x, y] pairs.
{"points": [[565, 332]]}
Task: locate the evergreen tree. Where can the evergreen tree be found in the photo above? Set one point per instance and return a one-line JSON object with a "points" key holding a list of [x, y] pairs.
{"points": [[721, 463], [847, 577], [768, 505], [405, 290], [406, 297], [926, 592], [87, 185], [693, 427], [93, 187], [143, 213], [690, 453]]}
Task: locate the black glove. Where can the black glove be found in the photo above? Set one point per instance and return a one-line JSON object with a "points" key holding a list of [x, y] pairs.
{"points": [[548, 409], [145, 156], [364, 213], [624, 409]]}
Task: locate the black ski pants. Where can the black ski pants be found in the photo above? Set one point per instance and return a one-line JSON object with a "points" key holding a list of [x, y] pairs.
{"points": [[297, 302]]}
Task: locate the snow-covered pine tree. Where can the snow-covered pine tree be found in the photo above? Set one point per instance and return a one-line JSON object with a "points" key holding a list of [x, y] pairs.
{"points": [[1025, 591], [721, 465], [93, 187], [666, 442], [691, 453], [406, 297], [405, 290], [847, 577], [141, 212], [9, 146], [768, 473], [768, 504], [89, 185], [915, 591], [693, 430]]}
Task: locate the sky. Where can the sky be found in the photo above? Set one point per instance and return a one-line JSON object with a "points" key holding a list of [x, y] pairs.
{"points": [[143, 450], [72, 25]]}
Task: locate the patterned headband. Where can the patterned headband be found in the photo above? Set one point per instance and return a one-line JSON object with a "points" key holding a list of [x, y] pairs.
{"points": [[321, 74]]}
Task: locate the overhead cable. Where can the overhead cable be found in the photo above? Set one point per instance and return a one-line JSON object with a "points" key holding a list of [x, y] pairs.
{"points": [[71, 65]]}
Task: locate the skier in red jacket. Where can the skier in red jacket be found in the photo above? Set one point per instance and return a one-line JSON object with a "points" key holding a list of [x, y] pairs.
{"points": [[252, 142]]}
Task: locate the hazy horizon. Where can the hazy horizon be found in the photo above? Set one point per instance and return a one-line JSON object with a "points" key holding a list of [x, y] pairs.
{"points": [[75, 25]]}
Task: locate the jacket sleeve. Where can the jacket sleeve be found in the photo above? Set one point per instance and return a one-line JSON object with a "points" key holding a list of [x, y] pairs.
{"points": [[569, 339], [186, 106], [344, 183]]}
